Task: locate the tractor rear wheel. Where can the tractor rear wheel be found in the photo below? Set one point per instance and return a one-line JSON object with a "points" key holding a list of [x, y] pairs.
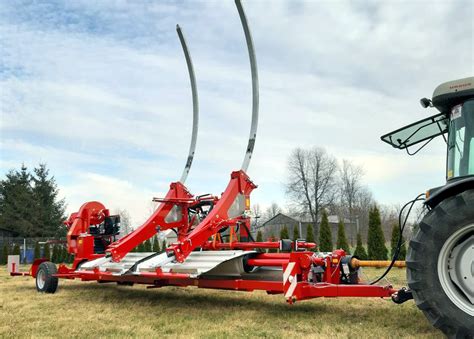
{"points": [[440, 266], [45, 281]]}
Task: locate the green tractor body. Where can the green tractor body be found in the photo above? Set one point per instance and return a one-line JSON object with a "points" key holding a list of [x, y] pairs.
{"points": [[440, 261]]}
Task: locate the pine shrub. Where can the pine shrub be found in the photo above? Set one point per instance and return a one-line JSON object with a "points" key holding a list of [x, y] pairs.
{"points": [[375, 239], [403, 249], [296, 233], [147, 246], [156, 244], [284, 233], [360, 251], [163, 245], [325, 236], [37, 251], [47, 252], [341, 238], [4, 257]]}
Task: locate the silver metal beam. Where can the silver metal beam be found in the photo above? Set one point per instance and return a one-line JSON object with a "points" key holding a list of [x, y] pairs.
{"points": [[253, 68], [192, 78]]}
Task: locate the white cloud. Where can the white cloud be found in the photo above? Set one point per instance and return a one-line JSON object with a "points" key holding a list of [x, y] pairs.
{"points": [[112, 192]]}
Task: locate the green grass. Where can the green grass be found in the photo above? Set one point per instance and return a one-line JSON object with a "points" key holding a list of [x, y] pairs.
{"points": [[89, 309]]}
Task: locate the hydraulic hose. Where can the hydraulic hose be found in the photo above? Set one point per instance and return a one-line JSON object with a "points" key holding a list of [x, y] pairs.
{"points": [[401, 227]]}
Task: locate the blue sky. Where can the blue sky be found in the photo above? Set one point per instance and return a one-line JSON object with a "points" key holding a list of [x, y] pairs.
{"points": [[99, 91]]}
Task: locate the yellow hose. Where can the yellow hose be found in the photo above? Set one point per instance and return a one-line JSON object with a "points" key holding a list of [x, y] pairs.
{"points": [[356, 263]]}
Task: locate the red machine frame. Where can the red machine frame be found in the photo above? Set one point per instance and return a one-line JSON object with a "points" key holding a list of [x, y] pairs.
{"points": [[296, 265]]}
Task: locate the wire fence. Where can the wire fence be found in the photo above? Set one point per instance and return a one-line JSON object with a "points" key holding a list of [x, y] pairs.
{"points": [[30, 249]]}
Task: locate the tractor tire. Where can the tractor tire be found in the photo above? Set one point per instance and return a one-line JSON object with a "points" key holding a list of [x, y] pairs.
{"points": [[45, 281], [439, 262]]}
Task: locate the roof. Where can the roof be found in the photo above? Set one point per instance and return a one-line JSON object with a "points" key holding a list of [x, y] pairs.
{"points": [[333, 219], [279, 215]]}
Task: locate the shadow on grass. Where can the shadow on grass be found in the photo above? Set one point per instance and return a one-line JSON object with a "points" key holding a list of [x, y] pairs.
{"points": [[178, 296]]}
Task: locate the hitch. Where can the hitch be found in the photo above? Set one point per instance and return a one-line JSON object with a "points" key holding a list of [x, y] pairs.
{"points": [[402, 295]]}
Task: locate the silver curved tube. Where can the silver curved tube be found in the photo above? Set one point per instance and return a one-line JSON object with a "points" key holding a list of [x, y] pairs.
{"points": [[192, 78], [253, 68]]}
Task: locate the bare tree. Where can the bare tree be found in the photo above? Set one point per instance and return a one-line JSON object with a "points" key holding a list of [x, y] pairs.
{"points": [[125, 222], [363, 202], [311, 183], [272, 211], [256, 215], [350, 185]]}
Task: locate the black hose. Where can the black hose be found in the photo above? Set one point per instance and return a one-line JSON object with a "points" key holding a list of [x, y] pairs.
{"points": [[401, 227]]}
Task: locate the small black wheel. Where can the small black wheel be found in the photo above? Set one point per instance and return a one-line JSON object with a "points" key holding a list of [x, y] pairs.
{"points": [[439, 262], [45, 281]]}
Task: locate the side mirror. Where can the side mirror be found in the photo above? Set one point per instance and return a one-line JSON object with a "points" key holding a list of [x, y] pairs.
{"points": [[424, 102]]}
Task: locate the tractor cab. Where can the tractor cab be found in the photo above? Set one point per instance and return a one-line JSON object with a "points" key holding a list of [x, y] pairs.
{"points": [[455, 122]]}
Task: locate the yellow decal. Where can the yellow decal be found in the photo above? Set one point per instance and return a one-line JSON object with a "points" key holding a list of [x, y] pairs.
{"points": [[450, 174]]}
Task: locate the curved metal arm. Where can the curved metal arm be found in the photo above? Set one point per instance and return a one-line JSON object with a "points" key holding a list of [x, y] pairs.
{"points": [[253, 68], [192, 78]]}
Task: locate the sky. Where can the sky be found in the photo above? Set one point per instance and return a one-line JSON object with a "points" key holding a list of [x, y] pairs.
{"points": [[99, 91]]}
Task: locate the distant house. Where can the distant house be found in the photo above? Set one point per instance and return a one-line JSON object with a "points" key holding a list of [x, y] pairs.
{"points": [[274, 226]]}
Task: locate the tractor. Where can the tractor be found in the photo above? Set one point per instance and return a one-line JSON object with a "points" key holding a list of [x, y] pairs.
{"points": [[440, 260]]}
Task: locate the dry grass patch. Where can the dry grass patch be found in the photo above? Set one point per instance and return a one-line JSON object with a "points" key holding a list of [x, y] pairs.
{"points": [[89, 309]]}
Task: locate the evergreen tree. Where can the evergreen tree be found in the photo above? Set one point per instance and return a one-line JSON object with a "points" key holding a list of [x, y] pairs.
{"points": [[37, 251], [284, 233], [164, 245], [4, 257], [360, 249], [375, 239], [310, 233], [341, 237], [296, 233], [60, 258], [259, 236], [17, 204], [147, 246], [29, 204], [64, 254], [141, 247], [47, 252], [156, 244], [61, 254], [51, 210], [54, 254], [325, 236], [16, 249], [403, 249]]}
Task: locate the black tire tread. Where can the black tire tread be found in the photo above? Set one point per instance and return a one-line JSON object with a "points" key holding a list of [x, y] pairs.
{"points": [[415, 266], [51, 282]]}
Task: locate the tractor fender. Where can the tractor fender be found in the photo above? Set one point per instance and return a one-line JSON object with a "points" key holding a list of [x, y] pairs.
{"points": [[436, 195]]}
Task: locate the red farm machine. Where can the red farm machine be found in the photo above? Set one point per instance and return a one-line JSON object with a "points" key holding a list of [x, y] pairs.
{"points": [[440, 264]]}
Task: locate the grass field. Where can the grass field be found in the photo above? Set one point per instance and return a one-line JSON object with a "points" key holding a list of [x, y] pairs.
{"points": [[88, 309]]}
